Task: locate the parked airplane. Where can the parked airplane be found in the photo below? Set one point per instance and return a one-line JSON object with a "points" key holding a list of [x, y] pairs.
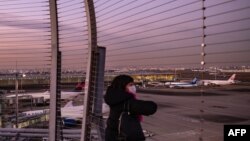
{"points": [[65, 95], [220, 82], [70, 114], [45, 95], [155, 84], [193, 83]]}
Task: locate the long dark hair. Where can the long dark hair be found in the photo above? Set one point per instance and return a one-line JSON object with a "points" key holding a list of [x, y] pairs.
{"points": [[120, 82]]}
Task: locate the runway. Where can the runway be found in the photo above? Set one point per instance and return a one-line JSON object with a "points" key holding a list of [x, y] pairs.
{"points": [[188, 114]]}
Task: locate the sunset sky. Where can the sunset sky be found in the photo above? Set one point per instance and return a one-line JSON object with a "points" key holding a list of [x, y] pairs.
{"points": [[136, 33]]}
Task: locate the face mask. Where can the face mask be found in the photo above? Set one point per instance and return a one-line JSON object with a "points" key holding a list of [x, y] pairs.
{"points": [[132, 89]]}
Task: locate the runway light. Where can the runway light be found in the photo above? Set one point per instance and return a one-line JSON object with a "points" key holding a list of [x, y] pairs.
{"points": [[203, 45], [202, 63]]}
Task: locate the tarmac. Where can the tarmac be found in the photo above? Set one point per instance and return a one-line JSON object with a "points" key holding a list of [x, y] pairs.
{"points": [[197, 114]]}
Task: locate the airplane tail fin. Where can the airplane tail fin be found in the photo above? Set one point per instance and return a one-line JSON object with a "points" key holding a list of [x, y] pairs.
{"points": [[194, 80], [232, 77], [69, 104], [80, 86]]}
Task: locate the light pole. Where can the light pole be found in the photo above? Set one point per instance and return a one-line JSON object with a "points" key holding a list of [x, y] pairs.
{"points": [[21, 81], [16, 91]]}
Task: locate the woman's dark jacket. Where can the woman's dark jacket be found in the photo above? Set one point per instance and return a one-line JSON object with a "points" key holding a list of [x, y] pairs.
{"points": [[116, 100]]}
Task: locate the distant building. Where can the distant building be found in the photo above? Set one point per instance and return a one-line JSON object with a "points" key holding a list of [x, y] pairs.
{"points": [[154, 77], [239, 70], [147, 77]]}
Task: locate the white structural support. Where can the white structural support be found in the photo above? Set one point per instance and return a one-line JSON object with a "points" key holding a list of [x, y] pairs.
{"points": [[53, 128], [91, 70]]}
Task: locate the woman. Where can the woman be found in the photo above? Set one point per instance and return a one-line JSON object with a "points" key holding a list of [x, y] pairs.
{"points": [[121, 94]]}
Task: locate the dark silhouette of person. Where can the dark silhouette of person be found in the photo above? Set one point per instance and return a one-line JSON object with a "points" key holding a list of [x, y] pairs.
{"points": [[122, 91]]}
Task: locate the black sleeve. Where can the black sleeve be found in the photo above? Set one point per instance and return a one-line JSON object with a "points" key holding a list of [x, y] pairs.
{"points": [[141, 107], [116, 97]]}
